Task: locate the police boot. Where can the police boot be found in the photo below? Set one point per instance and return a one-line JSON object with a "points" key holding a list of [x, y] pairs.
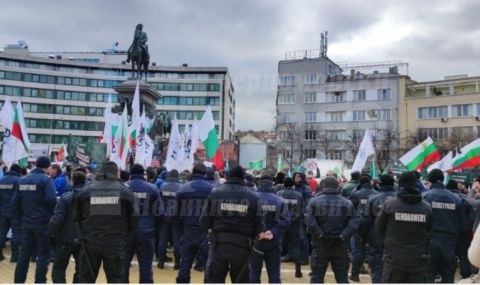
{"points": [[2, 257], [161, 264], [298, 270], [14, 256]]}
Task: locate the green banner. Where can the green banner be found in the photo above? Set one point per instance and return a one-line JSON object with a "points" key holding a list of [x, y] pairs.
{"points": [[256, 165], [462, 177], [398, 169]]}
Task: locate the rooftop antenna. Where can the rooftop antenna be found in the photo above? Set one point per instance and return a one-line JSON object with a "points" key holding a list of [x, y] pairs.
{"points": [[323, 44]]}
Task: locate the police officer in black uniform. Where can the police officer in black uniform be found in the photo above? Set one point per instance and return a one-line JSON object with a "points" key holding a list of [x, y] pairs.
{"points": [[232, 218], [292, 240], [374, 248], [448, 226], [8, 186], [359, 199], [34, 203], [405, 222], [62, 229], [277, 219], [332, 220], [105, 213]]}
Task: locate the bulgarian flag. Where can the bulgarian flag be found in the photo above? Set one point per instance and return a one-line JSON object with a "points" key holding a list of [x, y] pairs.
{"points": [[16, 144], [421, 155], [111, 125], [469, 156], [208, 136], [122, 142], [134, 128]]}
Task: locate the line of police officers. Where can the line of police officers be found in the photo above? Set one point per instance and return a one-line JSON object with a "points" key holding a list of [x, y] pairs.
{"points": [[230, 228]]}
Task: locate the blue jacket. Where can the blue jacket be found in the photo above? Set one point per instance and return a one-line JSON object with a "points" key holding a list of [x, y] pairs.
{"points": [[61, 184], [277, 217], [61, 225], [8, 186], [168, 190], [148, 204], [303, 188], [359, 199], [294, 201], [448, 212], [190, 199], [374, 206], [36, 199], [330, 215]]}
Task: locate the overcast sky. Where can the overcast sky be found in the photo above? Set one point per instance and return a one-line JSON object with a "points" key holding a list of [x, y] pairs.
{"points": [[436, 38]]}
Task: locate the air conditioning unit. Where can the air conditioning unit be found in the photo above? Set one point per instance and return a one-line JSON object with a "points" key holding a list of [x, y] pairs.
{"points": [[444, 120], [477, 118]]}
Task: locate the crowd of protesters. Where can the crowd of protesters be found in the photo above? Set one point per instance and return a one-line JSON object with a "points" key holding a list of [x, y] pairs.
{"points": [[404, 229]]}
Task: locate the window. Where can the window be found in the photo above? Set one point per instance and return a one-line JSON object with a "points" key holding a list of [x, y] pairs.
{"points": [[357, 134], [434, 133], [310, 135], [336, 154], [334, 97], [384, 94], [385, 115], [463, 110], [286, 117], [287, 80], [334, 116], [282, 135], [465, 132], [310, 97], [286, 99], [358, 115], [478, 109], [310, 153], [359, 95], [310, 117], [432, 112], [335, 135], [311, 78]]}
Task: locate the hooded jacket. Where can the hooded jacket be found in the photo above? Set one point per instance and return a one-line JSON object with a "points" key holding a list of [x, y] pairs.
{"points": [[405, 222], [303, 188]]}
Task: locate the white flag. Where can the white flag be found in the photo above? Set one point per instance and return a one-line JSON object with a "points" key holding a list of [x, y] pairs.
{"points": [[174, 146], [444, 164], [366, 149], [16, 144]]}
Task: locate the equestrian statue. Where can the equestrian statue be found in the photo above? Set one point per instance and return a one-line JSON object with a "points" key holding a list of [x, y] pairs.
{"points": [[138, 54]]}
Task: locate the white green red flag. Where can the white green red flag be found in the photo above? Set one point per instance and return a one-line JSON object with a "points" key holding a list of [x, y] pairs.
{"points": [[111, 125], [135, 119], [121, 143], [208, 136], [420, 156], [16, 144], [469, 156]]}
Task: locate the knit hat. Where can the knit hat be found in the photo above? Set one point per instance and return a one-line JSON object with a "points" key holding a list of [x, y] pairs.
{"points": [[109, 167], [387, 180], [452, 185], [43, 162], [407, 179], [289, 182], [249, 177], [137, 169], [16, 168], [199, 168], [173, 174], [435, 175], [330, 182], [265, 183], [237, 172]]}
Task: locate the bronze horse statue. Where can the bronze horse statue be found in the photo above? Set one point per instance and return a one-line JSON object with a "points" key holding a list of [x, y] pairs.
{"points": [[138, 54], [140, 62]]}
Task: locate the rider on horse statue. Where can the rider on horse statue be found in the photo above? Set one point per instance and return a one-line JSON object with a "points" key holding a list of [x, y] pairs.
{"points": [[139, 40]]}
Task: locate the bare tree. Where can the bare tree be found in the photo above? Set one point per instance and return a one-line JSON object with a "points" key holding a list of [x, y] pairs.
{"points": [[292, 144]]}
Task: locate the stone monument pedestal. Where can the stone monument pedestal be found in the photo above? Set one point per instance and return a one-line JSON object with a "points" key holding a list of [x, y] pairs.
{"points": [[148, 96]]}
